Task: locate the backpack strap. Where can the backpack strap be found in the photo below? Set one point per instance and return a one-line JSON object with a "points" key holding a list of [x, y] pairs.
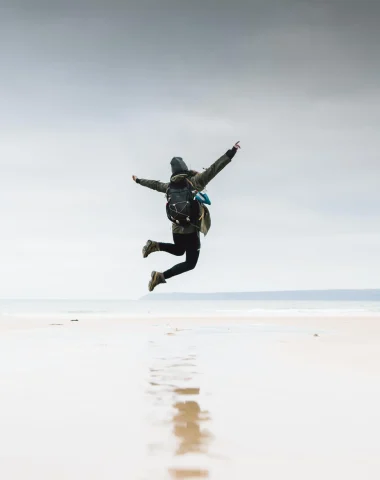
{"points": [[189, 181]]}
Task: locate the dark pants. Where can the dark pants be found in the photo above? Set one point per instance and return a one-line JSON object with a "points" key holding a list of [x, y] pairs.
{"points": [[188, 243]]}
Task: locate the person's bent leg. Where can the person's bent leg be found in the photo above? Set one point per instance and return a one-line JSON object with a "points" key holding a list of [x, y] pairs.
{"points": [[177, 248], [192, 256]]}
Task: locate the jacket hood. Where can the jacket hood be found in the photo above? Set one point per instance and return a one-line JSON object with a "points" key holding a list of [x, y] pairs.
{"points": [[178, 166]]}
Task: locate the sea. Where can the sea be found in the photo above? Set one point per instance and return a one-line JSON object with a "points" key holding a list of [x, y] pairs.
{"points": [[74, 309]]}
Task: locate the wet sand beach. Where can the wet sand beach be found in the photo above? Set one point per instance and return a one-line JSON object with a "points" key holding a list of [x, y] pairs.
{"points": [[214, 398]]}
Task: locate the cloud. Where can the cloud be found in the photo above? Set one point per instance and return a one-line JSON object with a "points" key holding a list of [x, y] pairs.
{"points": [[93, 92]]}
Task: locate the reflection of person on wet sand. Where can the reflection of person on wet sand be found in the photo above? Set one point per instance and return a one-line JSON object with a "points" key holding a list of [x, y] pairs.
{"points": [[187, 427]]}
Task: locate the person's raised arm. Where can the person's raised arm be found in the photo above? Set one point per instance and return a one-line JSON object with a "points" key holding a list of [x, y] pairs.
{"points": [[200, 180], [152, 184]]}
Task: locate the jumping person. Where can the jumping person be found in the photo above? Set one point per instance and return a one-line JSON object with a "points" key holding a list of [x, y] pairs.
{"points": [[189, 217]]}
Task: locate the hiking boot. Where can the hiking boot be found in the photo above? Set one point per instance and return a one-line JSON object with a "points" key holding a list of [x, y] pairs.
{"points": [[156, 279], [150, 247]]}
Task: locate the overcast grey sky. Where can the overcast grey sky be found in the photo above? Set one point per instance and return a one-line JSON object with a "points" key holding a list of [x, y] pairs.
{"points": [[93, 91]]}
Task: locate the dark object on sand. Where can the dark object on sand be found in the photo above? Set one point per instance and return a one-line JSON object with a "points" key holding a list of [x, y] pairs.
{"points": [[75, 320], [316, 335]]}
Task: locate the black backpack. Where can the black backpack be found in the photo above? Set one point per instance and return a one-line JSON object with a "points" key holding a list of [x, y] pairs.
{"points": [[181, 207]]}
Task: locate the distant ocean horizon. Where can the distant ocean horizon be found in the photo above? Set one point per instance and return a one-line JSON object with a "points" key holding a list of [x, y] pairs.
{"points": [[369, 295], [75, 309]]}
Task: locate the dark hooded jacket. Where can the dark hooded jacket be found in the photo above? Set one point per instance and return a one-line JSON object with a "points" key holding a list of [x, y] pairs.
{"points": [[198, 180]]}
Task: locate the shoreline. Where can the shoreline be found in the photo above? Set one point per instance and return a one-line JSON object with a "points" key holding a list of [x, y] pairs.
{"points": [[366, 324]]}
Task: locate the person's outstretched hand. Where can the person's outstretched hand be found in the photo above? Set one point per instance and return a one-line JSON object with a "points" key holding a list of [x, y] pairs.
{"points": [[134, 178], [231, 153]]}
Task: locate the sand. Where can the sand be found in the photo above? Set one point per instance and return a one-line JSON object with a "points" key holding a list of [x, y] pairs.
{"points": [[267, 398]]}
